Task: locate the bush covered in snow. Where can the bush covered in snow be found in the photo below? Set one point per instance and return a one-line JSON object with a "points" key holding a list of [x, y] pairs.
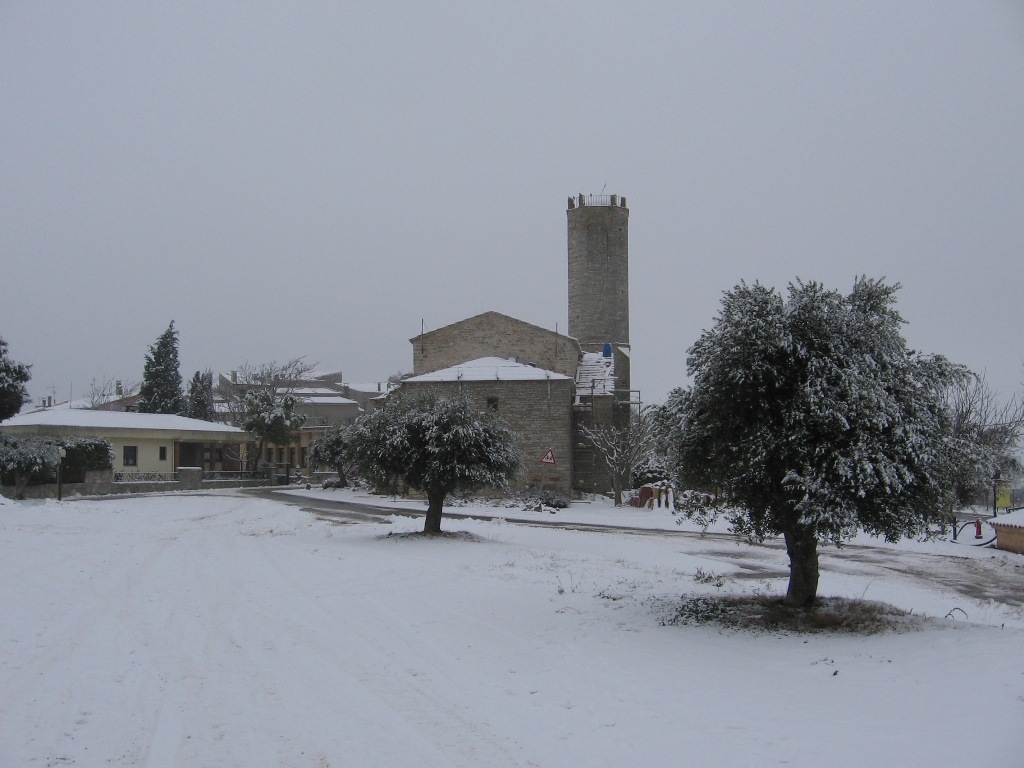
{"points": [[32, 460], [531, 497]]}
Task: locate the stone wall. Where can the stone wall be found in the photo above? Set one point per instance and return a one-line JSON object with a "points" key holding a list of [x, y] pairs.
{"points": [[102, 484], [493, 334]]}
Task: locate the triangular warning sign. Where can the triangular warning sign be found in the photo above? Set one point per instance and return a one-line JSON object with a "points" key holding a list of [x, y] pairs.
{"points": [[548, 458]]}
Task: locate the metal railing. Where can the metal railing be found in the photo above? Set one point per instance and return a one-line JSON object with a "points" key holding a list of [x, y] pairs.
{"points": [[145, 477], [222, 475]]}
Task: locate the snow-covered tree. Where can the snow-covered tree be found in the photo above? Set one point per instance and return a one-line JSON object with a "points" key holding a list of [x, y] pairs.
{"points": [[623, 446], [332, 450], [272, 419], [199, 399], [23, 455], [811, 419], [161, 376], [435, 445], [13, 378]]}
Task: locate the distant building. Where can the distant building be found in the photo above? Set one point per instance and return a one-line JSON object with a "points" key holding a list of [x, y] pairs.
{"points": [[322, 397]]}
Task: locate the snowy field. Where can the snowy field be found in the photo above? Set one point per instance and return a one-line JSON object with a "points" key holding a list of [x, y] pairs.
{"points": [[231, 630]]}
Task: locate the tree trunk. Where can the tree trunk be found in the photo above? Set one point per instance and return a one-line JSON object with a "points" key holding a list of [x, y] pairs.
{"points": [[802, 546], [435, 503], [342, 480], [617, 487], [20, 484]]}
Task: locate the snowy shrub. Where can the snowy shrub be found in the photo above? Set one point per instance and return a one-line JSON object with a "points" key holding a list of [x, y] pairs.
{"points": [[32, 460], [85, 454], [649, 470], [531, 496], [23, 456]]}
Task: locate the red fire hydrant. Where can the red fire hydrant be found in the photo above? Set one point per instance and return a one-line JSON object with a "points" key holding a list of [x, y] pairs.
{"points": [[977, 528]]}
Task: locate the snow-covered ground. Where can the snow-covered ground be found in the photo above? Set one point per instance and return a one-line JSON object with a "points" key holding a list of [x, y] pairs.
{"points": [[231, 630]]}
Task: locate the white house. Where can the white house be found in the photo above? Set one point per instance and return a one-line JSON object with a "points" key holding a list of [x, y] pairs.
{"points": [[142, 442]]}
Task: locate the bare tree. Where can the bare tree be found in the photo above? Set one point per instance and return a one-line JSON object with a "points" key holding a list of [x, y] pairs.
{"points": [[108, 390], [995, 427], [623, 446], [274, 379], [266, 388]]}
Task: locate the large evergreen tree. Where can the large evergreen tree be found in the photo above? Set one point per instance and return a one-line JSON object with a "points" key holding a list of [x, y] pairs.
{"points": [[435, 445], [13, 378], [161, 377], [810, 418]]}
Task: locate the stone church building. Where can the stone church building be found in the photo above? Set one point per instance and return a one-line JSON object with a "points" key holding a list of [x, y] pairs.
{"points": [[543, 383]]}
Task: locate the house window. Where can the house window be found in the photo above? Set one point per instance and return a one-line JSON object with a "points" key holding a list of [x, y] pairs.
{"points": [[163, 453], [131, 456], [291, 456]]}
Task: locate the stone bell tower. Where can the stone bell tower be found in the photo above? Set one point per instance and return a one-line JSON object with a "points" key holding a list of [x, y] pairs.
{"points": [[599, 271]]}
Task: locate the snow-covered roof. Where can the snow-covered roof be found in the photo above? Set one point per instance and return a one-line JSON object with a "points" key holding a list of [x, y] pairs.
{"points": [[488, 369], [377, 386], [332, 399], [81, 418], [320, 395], [595, 374], [1012, 519]]}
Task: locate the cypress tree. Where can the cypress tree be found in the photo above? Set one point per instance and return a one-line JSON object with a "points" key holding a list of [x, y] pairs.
{"points": [[199, 401], [161, 377]]}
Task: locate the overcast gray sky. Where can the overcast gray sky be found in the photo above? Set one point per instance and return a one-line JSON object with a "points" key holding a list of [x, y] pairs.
{"points": [[318, 178]]}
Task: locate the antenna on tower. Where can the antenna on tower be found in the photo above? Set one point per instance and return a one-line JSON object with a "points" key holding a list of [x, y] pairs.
{"points": [[604, 187]]}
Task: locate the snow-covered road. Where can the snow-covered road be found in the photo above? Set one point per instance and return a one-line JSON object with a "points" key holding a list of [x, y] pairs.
{"points": [[236, 631]]}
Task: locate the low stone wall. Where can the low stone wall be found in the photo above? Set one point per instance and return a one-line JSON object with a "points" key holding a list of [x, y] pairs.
{"points": [[102, 484]]}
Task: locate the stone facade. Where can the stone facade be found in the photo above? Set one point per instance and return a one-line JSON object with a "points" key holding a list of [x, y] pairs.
{"points": [[540, 412], [493, 334]]}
